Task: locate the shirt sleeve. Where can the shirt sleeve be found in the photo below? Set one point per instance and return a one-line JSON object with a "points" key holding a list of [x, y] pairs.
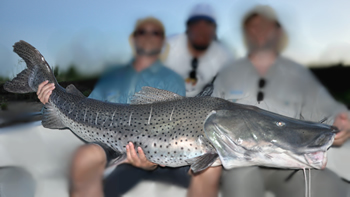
{"points": [[319, 104], [96, 92]]}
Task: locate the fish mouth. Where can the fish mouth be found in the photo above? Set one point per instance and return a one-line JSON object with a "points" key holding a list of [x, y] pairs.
{"points": [[316, 159]]}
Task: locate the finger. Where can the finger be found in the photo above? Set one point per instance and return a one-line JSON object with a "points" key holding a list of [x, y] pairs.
{"points": [[338, 142], [46, 94], [41, 86], [133, 153], [142, 154], [340, 135], [128, 155], [44, 89]]}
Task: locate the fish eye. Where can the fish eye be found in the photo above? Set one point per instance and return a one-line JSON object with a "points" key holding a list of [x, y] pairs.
{"points": [[280, 124]]}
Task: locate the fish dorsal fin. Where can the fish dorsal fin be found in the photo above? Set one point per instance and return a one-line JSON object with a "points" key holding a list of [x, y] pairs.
{"points": [[153, 95], [73, 90]]}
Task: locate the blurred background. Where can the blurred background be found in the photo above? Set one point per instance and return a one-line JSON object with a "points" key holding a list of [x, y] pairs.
{"points": [[79, 39]]}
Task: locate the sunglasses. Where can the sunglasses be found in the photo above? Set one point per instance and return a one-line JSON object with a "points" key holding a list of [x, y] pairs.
{"points": [[194, 65], [142, 32], [261, 84]]}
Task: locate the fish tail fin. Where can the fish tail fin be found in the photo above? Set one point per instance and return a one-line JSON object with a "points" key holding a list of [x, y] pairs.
{"points": [[37, 71]]}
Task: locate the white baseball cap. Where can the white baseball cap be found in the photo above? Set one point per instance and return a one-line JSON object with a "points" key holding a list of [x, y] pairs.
{"points": [[269, 13], [202, 12]]}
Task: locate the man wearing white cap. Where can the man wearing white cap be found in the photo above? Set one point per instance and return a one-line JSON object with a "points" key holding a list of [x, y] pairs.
{"points": [[266, 79], [197, 55]]}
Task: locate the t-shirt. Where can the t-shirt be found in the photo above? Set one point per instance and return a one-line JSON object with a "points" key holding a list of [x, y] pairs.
{"points": [[209, 64], [120, 83], [290, 89]]}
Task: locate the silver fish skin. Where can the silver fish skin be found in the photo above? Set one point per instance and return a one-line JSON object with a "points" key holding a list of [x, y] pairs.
{"points": [[176, 131]]}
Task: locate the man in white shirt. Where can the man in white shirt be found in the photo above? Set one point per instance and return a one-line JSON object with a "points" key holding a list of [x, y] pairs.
{"points": [[269, 81], [197, 55]]}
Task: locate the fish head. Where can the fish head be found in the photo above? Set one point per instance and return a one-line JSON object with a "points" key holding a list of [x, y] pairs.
{"points": [[258, 137]]}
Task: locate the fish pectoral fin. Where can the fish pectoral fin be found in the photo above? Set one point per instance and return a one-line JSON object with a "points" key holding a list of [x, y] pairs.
{"points": [[50, 119], [73, 90], [218, 130], [153, 95], [202, 162]]}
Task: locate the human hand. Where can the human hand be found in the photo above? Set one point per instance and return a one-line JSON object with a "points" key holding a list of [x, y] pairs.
{"points": [[343, 124], [138, 160], [44, 91]]}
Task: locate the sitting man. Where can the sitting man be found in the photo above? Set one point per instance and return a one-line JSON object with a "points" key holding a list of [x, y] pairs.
{"points": [[269, 81], [197, 55], [119, 85]]}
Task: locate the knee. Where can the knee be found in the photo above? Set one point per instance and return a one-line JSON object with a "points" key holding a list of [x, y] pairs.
{"points": [[210, 177], [16, 182], [89, 155]]}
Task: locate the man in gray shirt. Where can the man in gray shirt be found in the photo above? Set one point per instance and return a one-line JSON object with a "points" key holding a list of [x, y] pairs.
{"points": [[269, 81]]}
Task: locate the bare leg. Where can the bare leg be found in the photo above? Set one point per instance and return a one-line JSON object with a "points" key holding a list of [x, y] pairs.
{"points": [[87, 171], [206, 183]]}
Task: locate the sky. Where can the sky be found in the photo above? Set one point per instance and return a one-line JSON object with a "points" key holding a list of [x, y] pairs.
{"points": [[94, 34]]}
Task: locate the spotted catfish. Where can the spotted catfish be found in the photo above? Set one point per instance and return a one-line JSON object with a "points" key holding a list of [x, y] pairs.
{"points": [[177, 131]]}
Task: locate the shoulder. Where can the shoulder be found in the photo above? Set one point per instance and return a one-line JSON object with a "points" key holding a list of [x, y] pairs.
{"points": [[113, 70], [296, 70]]}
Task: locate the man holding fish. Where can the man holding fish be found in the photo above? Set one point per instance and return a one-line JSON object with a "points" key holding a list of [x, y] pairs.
{"points": [[269, 81]]}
